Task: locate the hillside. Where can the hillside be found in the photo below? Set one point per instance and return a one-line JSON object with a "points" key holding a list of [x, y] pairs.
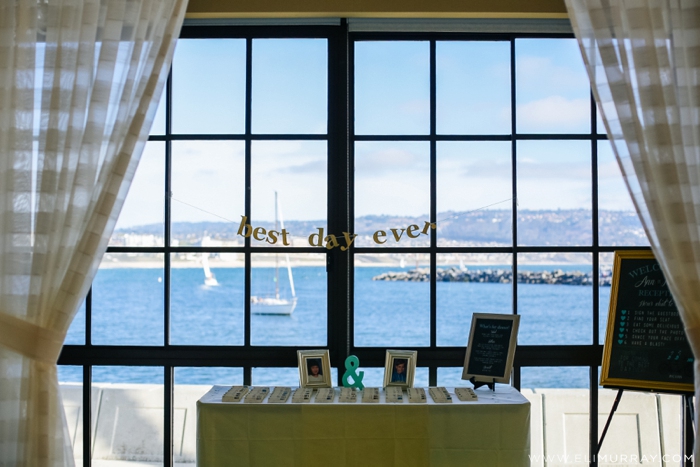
{"points": [[486, 227]]}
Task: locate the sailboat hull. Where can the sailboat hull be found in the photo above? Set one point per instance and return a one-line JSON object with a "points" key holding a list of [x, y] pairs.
{"points": [[272, 306]]}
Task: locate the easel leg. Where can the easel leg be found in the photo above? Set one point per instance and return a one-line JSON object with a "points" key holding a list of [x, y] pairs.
{"points": [[607, 424], [688, 434]]}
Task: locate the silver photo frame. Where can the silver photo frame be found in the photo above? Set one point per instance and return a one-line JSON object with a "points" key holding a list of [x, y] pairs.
{"points": [[314, 368], [400, 368]]}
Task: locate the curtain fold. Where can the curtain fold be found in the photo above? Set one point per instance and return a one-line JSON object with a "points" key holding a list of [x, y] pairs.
{"points": [[79, 87], [643, 61]]}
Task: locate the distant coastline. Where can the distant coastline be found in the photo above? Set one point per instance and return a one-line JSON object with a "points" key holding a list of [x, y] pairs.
{"points": [[499, 276], [315, 260]]}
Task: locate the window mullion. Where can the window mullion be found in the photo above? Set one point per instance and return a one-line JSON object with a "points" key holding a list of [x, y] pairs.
{"points": [[339, 205]]}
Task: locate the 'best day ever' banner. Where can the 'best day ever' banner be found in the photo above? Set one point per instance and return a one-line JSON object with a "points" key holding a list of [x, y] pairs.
{"points": [[330, 241]]}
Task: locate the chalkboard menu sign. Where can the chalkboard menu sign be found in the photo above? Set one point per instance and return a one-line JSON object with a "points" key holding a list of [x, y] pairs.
{"points": [[491, 347], [645, 344]]}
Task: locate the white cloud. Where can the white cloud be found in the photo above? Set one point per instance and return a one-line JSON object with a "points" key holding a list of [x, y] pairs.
{"points": [[574, 171], [554, 113], [416, 107], [541, 73], [389, 161]]}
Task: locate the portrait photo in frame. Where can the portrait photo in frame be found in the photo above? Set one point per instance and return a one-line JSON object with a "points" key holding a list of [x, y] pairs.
{"points": [[314, 368], [400, 368], [491, 347]]}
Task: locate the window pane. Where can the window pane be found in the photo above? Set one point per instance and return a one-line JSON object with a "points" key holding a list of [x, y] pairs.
{"points": [[554, 377], [554, 193], [555, 300], [618, 221], [71, 389], [473, 87], [553, 92], [468, 284], [190, 385], [474, 194], [207, 300], [209, 86], [277, 377], [421, 378], [391, 311], [208, 376], [392, 88], [290, 85], [373, 377], [297, 172], [392, 191], [127, 300], [288, 299], [141, 221], [452, 377], [130, 417], [606, 265], [208, 191]]}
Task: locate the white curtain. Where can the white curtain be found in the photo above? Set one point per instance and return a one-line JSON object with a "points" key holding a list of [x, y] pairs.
{"points": [[643, 60], [79, 87]]}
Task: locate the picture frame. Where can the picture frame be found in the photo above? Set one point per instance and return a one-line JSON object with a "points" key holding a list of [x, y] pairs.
{"points": [[400, 368], [314, 368], [491, 348]]}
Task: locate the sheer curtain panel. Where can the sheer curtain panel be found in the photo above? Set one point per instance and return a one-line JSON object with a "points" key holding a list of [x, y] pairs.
{"points": [[643, 60], [79, 87]]}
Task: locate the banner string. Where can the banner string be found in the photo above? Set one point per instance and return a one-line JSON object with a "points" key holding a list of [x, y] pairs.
{"points": [[456, 216]]}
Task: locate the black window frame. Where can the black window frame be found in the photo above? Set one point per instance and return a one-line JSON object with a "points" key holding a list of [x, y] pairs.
{"points": [[341, 139]]}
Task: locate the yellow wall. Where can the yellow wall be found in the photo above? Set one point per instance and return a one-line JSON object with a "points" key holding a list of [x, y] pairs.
{"points": [[376, 8]]}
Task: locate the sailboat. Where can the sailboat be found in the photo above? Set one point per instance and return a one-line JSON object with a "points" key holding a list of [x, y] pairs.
{"points": [[276, 305], [209, 277]]}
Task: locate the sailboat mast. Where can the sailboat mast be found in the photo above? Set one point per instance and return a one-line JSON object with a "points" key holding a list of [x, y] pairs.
{"points": [[289, 265], [277, 269]]}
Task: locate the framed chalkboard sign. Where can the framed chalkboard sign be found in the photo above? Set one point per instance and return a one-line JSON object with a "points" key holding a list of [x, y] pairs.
{"points": [[491, 347], [645, 343]]}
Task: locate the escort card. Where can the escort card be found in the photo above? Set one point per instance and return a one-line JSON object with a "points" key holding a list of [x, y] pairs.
{"points": [[325, 395], [347, 395], [370, 395], [416, 395], [256, 395], [279, 395], [302, 395], [466, 394], [394, 394], [440, 395], [235, 394]]}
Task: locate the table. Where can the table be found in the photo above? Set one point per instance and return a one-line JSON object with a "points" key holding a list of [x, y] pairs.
{"points": [[493, 431]]}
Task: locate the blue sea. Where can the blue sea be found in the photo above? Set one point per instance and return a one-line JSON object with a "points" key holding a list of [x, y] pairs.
{"points": [[128, 302]]}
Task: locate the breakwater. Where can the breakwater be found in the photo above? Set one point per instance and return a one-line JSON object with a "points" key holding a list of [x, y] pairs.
{"points": [[502, 276]]}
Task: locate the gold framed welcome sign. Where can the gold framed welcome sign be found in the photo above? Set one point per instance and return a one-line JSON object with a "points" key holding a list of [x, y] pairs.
{"points": [[645, 343]]}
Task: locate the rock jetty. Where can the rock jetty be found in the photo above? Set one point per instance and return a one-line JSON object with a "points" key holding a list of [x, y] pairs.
{"points": [[502, 276]]}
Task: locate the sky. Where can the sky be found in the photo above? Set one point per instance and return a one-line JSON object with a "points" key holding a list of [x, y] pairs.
{"points": [[289, 95]]}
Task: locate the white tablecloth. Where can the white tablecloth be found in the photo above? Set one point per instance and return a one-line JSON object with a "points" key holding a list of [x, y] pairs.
{"points": [[493, 431]]}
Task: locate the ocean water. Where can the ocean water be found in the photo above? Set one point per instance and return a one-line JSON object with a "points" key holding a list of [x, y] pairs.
{"points": [[127, 310]]}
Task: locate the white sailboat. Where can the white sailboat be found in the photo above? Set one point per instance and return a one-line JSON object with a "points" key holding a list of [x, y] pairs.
{"points": [[209, 277], [276, 305]]}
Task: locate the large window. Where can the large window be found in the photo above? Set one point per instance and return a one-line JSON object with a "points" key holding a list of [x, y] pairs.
{"points": [[472, 169]]}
